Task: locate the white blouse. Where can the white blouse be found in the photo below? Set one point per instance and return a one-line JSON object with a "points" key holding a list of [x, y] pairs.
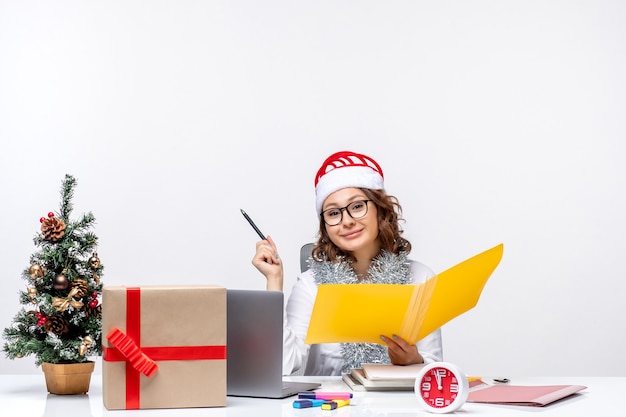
{"points": [[326, 359]]}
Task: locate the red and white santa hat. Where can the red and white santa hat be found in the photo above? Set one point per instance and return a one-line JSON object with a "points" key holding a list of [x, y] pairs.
{"points": [[344, 170]]}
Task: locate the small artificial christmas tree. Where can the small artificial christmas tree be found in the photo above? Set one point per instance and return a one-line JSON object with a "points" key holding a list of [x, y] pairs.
{"points": [[62, 323]]}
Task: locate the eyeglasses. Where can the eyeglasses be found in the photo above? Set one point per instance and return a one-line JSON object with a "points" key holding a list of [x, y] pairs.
{"points": [[356, 210]]}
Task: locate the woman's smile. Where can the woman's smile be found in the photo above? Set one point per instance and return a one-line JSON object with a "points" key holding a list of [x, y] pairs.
{"points": [[352, 234]]}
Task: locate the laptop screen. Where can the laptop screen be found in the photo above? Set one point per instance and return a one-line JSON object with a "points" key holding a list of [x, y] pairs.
{"points": [[254, 342]]}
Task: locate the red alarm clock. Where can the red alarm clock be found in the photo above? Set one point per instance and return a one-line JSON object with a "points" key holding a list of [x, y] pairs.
{"points": [[441, 387]]}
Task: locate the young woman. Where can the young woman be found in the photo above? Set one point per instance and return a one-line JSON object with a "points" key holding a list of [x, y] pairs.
{"points": [[359, 242]]}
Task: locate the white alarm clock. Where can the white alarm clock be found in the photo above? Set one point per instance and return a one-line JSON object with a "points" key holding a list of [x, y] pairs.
{"points": [[441, 387]]}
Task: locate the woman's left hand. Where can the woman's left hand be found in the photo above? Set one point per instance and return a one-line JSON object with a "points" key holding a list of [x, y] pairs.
{"points": [[401, 352]]}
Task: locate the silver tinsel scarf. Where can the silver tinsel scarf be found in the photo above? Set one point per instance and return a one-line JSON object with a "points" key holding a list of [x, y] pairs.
{"points": [[386, 268]]}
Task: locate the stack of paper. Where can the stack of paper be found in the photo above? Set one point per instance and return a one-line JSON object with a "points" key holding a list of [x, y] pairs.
{"points": [[380, 371], [383, 377]]}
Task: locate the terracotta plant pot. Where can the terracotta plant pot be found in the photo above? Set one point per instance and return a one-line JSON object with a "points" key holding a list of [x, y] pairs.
{"points": [[68, 378]]}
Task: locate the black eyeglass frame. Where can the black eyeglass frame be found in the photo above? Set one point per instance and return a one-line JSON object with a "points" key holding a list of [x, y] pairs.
{"points": [[341, 209]]}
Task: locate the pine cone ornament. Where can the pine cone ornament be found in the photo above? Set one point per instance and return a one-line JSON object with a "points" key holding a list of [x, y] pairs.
{"points": [[32, 316], [80, 288], [52, 229], [57, 325], [92, 312]]}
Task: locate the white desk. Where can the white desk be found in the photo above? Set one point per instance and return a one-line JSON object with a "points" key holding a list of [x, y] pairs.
{"points": [[26, 396]]}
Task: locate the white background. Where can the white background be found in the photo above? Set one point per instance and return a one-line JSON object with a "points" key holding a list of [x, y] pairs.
{"points": [[494, 121]]}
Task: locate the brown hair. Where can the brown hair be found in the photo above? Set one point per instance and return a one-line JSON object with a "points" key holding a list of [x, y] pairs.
{"points": [[389, 217]]}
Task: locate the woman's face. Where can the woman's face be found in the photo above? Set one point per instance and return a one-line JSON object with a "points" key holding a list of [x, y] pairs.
{"points": [[355, 236]]}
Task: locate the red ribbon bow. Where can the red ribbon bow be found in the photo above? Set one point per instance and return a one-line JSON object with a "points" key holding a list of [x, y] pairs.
{"points": [[132, 352]]}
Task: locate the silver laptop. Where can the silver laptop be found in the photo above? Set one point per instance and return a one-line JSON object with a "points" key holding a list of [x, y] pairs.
{"points": [[254, 346]]}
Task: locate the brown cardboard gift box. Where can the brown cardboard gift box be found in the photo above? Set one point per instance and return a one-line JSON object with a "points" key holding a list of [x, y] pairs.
{"points": [[163, 347]]}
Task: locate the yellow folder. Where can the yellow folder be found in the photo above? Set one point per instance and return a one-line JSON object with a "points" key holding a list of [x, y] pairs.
{"points": [[363, 312]]}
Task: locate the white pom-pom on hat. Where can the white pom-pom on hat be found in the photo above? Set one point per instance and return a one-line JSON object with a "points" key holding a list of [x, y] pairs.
{"points": [[346, 169]]}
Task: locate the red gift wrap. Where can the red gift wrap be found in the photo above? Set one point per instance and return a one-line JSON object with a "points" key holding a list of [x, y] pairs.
{"points": [[163, 347]]}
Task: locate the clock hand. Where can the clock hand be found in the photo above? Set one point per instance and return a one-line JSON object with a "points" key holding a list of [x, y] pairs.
{"points": [[438, 377]]}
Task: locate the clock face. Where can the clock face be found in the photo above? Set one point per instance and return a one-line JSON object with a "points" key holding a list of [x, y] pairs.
{"points": [[441, 387]]}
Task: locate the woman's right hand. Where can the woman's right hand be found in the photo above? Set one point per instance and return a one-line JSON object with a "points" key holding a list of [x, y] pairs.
{"points": [[267, 261]]}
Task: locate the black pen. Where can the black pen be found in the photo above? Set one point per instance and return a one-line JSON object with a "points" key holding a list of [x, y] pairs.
{"points": [[252, 224]]}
